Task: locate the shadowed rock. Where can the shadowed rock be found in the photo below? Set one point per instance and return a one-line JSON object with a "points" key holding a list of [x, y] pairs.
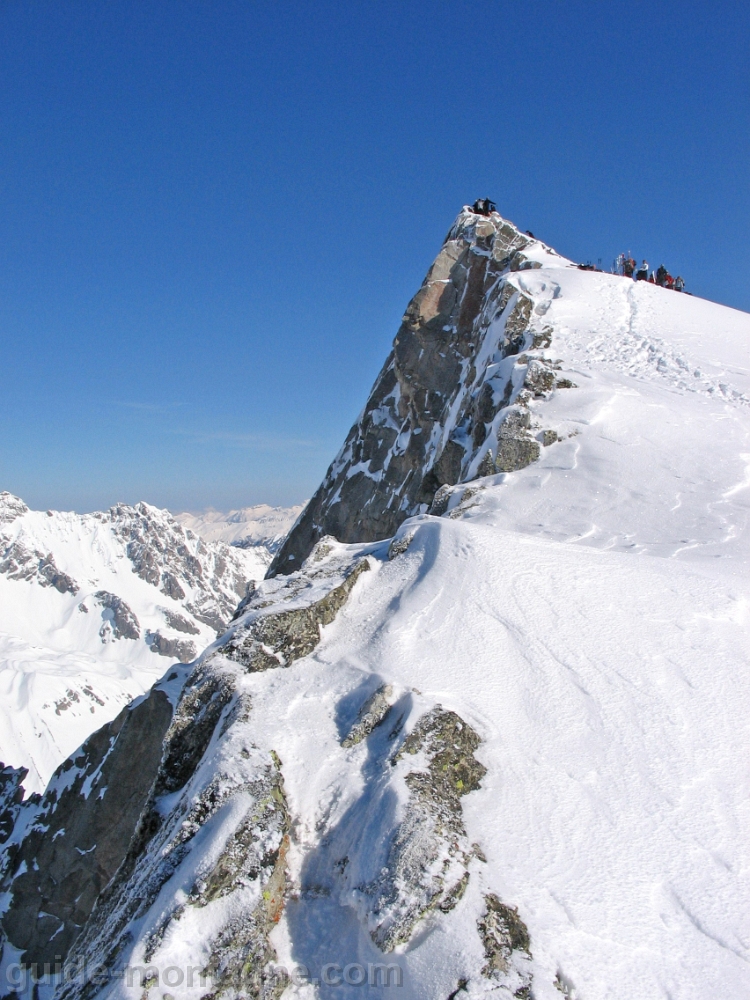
{"points": [[427, 864], [405, 445], [82, 829]]}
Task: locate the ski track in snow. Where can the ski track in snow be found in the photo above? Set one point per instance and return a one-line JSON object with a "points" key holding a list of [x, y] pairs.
{"points": [[633, 346]]}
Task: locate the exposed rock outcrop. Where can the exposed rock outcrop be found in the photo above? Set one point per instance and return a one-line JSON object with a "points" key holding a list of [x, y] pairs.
{"points": [[277, 639], [432, 414], [11, 797], [122, 816], [371, 715], [428, 859], [507, 948], [18, 562], [80, 831], [178, 649], [118, 619]]}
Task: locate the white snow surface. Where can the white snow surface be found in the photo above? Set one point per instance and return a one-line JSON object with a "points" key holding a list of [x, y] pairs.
{"points": [[63, 670], [588, 617]]}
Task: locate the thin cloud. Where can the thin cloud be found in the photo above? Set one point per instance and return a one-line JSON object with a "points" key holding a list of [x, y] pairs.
{"points": [[261, 442]]}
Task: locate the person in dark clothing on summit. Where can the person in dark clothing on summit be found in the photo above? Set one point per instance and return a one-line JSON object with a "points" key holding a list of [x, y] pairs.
{"points": [[642, 272], [628, 267], [483, 206], [661, 275]]}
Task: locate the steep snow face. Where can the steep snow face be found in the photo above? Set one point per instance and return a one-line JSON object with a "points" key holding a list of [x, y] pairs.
{"points": [[503, 751], [90, 607], [261, 528]]}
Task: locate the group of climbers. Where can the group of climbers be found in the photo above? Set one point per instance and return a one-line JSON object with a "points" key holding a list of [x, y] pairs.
{"points": [[626, 266], [483, 206]]}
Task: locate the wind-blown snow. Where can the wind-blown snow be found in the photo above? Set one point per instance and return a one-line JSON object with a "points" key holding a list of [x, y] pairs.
{"points": [[588, 616]]}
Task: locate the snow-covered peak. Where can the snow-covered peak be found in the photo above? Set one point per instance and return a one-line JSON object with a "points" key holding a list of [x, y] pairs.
{"points": [[449, 376], [92, 609], [501, 340], [500, 754], [11, 507], [262, 527]]}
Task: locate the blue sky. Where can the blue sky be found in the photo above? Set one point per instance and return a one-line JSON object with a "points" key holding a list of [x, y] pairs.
{"points": [[214, 214]]}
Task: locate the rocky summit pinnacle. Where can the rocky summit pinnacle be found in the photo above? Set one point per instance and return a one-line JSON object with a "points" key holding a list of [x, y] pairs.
{"points": [[428, 417]]}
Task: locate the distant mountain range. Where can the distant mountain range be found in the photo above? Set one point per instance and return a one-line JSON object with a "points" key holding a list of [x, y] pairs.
{"points": [[94, 606], [260, 527]]}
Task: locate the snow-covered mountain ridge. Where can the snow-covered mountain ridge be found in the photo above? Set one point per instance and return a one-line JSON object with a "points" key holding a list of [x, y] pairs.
{"points": [[496, 736], [260, 527], [86, 601], [478, 356]]}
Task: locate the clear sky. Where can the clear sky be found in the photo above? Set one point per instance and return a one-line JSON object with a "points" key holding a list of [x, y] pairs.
{"points": [[214, 214]]}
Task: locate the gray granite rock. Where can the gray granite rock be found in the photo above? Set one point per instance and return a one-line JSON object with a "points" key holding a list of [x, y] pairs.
{"points": [[80, 831], [429, 410], [182, 650]]}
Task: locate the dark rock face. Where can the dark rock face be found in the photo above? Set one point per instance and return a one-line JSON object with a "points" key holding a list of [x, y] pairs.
{"points": [[121, 815], [20, 563], [178, 649], [119, 622], [279, 639], [195, 720], [432, 412], [81, 830], [11, 797]]}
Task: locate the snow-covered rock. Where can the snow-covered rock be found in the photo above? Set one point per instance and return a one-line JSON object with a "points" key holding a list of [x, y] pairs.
{"points": [[89, 607], [499, 750]]}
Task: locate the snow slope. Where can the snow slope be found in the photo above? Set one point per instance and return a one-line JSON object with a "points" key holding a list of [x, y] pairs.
{"points": [[579, 626], [588, 616], [70, 655]]}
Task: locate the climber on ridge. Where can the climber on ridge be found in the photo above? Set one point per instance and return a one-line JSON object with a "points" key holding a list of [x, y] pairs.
{"points": [[483, 206], [642, 272]]}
